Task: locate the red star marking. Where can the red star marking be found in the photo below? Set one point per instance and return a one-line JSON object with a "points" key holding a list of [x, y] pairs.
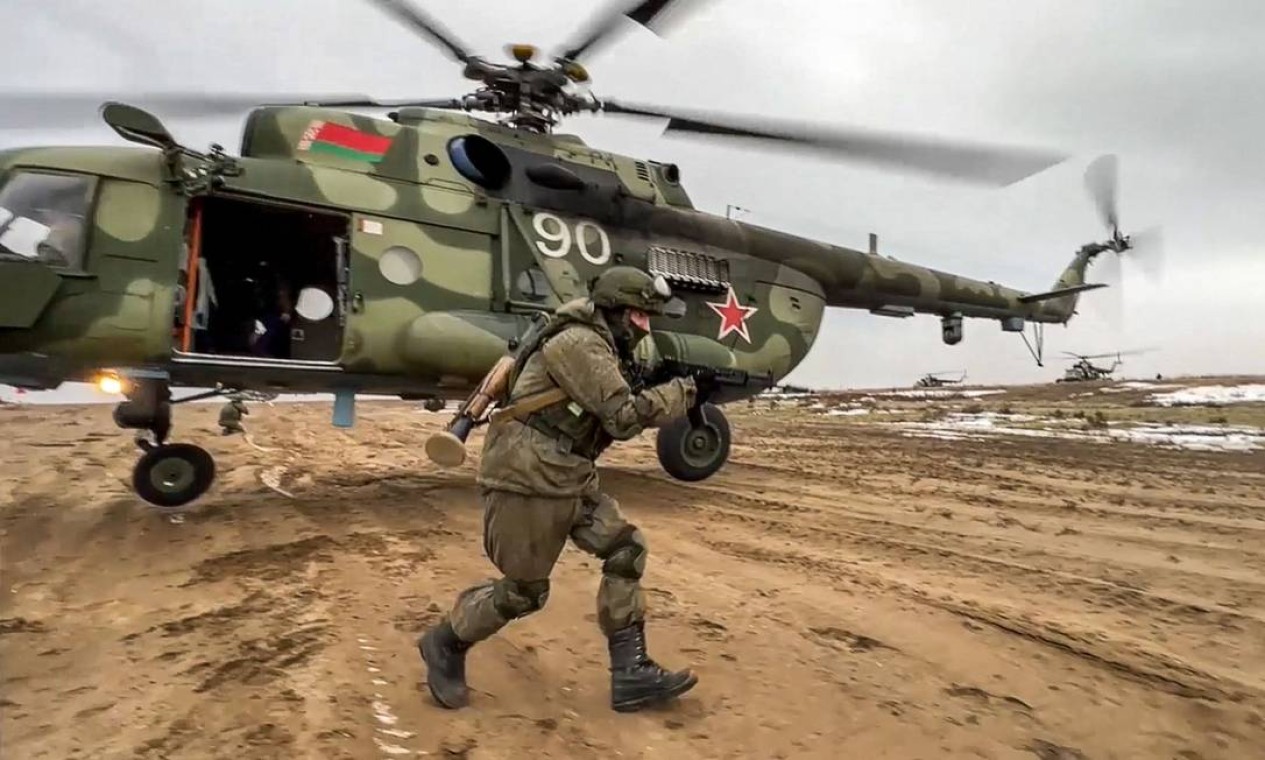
{"points": [[733, 316]]}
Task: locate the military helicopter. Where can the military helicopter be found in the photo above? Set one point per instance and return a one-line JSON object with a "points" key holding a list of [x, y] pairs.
{"points": [[935, 380], [348, 254], [1083, 369]]}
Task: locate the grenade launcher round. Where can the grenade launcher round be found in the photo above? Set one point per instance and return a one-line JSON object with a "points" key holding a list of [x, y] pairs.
{"points": [[447, 448]]}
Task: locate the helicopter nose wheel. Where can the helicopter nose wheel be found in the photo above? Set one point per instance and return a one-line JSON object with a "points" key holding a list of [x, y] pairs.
{"points": [[167, 475], [173, 474], [692, 452]]}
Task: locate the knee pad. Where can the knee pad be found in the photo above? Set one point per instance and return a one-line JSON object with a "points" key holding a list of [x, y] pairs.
{"points": [[627, 557], [515, 599]]}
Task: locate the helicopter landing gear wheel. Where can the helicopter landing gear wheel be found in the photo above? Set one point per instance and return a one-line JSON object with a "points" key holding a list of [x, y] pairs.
{"points": [[692, 453], [172, 475]]}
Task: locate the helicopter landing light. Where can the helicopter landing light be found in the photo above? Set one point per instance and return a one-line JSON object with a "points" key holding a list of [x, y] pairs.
{"points": [[110, 383]]}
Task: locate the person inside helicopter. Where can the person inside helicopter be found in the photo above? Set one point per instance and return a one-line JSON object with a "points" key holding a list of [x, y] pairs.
{"points": [[44, 217], [275, 315], [264, 258]]}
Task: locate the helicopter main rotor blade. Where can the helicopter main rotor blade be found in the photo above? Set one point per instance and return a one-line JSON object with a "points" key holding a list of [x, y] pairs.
{"points": [[979, 163], [426, 26], [644, 12], [29, 110], [1101, 179], [378, 103], [1111, 354]]}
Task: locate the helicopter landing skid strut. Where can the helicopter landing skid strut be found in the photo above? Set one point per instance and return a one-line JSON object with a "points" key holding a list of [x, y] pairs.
{"points": [[1036, 346], [167, 475]]}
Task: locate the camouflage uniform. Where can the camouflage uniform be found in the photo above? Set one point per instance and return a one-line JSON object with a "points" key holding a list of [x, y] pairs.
{"points": [[539, 486], [231, 417]]}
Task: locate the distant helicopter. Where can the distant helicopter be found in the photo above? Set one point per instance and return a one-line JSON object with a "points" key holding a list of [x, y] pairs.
{"points": [[934, 380], [1085, 370]]}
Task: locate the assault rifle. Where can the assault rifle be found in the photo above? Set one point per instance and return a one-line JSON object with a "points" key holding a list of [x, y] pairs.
{"points": [[711, 382]]}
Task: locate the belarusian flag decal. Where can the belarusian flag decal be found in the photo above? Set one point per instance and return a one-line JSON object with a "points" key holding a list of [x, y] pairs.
{"points": [[343, 142]]}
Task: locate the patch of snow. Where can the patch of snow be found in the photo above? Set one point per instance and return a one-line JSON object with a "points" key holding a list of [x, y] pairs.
{"points": [[941, 393], [1192, 437], [847, 412], [1195, 437], [781, 395], [1142, 385], [1211, 394]]}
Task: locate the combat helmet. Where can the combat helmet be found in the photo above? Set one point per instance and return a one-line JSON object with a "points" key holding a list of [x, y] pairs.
{"points": [[629, 287]]}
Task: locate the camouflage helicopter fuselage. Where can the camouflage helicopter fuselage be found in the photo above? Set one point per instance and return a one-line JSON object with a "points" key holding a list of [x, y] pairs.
{"points": [[495, 224]]}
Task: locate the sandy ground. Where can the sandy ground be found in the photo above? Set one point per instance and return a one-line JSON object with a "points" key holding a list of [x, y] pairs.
{"points": [[843, 591]]}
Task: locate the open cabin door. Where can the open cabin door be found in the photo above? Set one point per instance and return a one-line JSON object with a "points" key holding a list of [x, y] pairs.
{"points": [[264, 281]]}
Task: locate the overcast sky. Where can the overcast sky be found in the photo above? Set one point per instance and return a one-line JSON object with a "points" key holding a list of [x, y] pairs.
{"points": [[1173, 87]]}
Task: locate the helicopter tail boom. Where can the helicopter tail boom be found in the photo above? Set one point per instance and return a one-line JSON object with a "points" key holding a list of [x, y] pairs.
{"points": [[1059, 303], [893, 288]]}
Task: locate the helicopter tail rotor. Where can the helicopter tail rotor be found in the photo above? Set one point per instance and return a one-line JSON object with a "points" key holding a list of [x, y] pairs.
{"points": [[1143, 251], [1102, 181]]}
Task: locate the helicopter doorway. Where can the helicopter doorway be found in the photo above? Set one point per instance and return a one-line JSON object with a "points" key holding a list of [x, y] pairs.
{"points": [[261, 283]]}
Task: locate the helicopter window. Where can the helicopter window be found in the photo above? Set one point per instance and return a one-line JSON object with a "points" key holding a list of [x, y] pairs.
{"points": [[44, 217], [480, 161], [314, 304], [400, 265], [532, 285]]}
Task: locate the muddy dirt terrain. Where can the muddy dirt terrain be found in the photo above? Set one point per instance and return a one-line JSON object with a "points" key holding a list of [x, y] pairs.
{"points": [[844, 587]]}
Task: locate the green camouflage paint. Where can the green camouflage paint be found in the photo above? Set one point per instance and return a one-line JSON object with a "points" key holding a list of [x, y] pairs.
{"points": [[489, 256]]}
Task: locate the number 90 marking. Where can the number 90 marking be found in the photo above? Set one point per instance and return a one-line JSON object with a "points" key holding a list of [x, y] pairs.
{"points": [[556, 238]]}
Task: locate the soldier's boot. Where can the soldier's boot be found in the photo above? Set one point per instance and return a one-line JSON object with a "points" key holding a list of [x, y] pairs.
{"points": [[445, 658], [638, 681]]}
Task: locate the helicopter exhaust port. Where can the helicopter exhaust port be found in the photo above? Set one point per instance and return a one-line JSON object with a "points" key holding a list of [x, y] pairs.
{"points": [[951, 329]]}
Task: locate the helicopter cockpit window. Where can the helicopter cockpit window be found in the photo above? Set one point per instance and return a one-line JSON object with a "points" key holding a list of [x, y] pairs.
{"points": [[479, 160], [44, 217]]}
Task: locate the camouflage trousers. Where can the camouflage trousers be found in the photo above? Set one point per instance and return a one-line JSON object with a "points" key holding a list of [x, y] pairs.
{"points": [[524, 536]]}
